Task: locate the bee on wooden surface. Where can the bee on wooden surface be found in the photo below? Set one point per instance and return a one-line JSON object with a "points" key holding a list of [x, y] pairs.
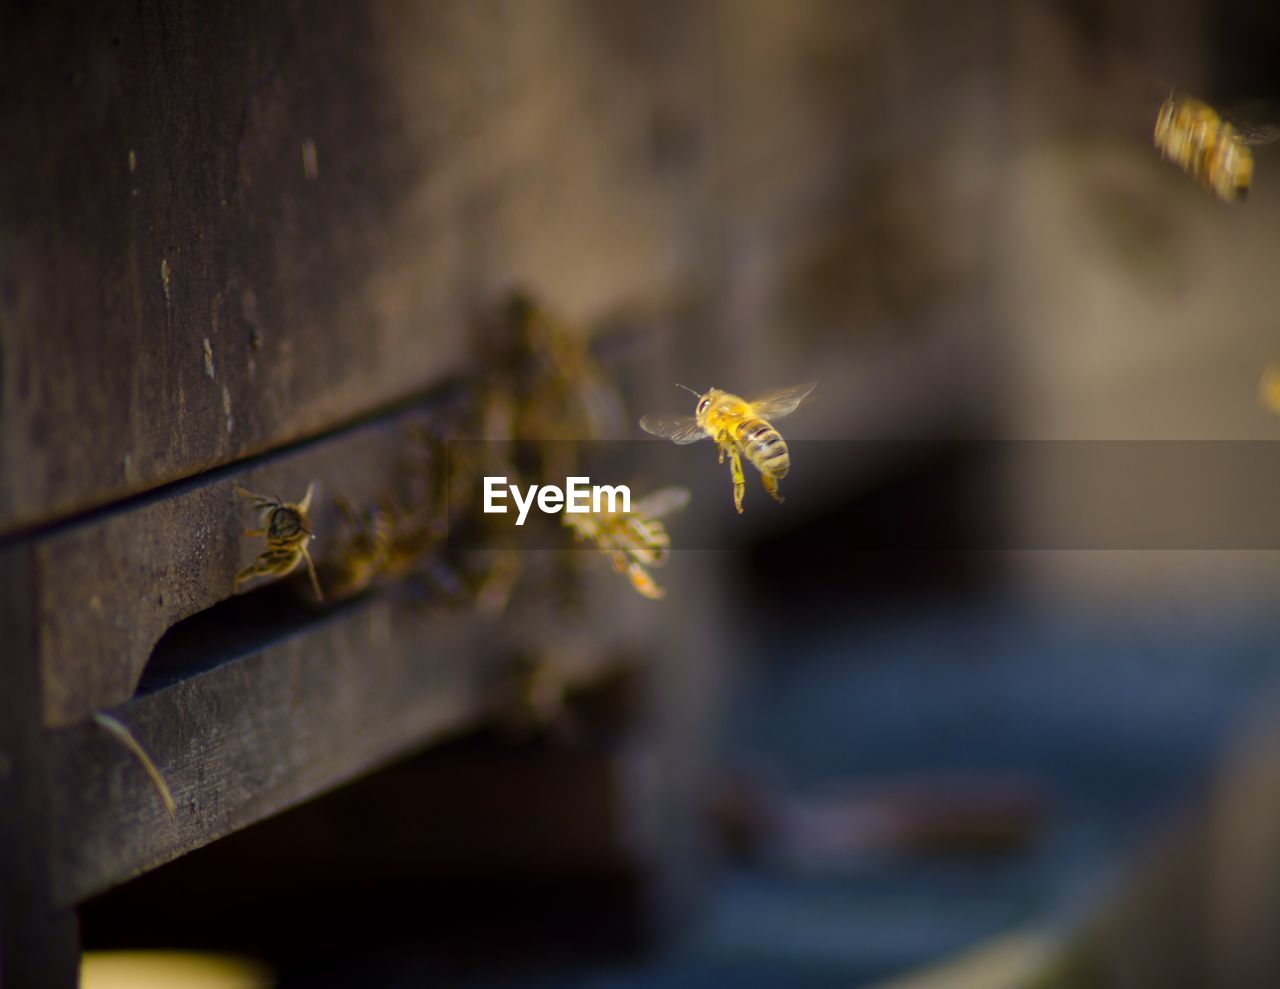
{"points": [[739, 428], [451, 520], [364, 556], [564, 393], [492, 576], [1208, 148], [535, 690], [285, 526], [540, 691], [635, 540], [385, 545]]}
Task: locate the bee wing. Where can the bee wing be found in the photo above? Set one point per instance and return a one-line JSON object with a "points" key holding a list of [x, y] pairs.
{"points": [[1254, 121], [777, 404], [304, 505], [677, 429], [1258, 135], [584, 527], [661, 502]]}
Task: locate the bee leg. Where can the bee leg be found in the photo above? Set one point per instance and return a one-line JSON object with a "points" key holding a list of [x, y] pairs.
{"points": [[257, 499], [348, 512], [283, 569], [496, 586], [739, 481], [618, 559], [311, 570], [255, 569], [255, 532], [643, 583], [771, 485]]}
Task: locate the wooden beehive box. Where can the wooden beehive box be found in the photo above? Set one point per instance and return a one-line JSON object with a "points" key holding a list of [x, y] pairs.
{"points": [[248, 245]]}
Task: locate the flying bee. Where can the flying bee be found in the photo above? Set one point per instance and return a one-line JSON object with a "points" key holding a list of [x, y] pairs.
{"points": [[635, 540], [285, 526], [739, 428], [1208, 148]]}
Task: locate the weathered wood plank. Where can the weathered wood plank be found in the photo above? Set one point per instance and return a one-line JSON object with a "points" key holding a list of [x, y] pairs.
{"points": [[278, 725], [224, 228], [109, 587]]}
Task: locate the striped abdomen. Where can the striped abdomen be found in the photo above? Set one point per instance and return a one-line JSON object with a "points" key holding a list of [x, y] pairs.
{"points": [[1205, 146], [645, 539], [764, 447], [1228, 164]]}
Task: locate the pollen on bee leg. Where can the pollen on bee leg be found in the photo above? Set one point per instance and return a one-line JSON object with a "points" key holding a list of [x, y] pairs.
{"points": [[643, 582]]}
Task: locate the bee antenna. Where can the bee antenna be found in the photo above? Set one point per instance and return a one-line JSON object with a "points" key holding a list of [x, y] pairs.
{"points": [[689, 390]]}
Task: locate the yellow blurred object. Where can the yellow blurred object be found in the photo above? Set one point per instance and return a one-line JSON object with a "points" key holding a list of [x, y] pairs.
{"points": [[1269, 388], [171, 970], [1016, 960], [1205, 146]]}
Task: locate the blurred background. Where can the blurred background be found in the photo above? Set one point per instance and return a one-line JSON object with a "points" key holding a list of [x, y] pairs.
{"points": [[965, 711]]}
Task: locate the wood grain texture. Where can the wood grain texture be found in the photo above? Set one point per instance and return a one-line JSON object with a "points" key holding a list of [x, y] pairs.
{"points": [[226, 228], [269, 728], [109, 587]]}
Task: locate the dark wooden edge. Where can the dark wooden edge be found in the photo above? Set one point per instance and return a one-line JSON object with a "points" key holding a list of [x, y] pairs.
{"points": [[38, 937]]}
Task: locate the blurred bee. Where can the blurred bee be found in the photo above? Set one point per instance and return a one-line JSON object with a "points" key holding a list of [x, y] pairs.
{"points": [[539, 689], [1269, 388], [453, 473], [740, 428], [285, 526], [363, 557], [492, 576], [565, 394], [633, 540], [384, 545], [1207, 147]]}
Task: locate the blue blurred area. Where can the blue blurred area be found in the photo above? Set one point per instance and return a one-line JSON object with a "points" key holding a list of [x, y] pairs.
{"points": [[1118, 721]]}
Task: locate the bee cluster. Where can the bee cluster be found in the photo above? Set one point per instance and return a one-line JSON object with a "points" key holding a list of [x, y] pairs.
{"points": [[547, 394], [526, 419]]}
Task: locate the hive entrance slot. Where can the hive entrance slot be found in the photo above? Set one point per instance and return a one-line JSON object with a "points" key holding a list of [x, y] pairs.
{"points": [[224, 632]]}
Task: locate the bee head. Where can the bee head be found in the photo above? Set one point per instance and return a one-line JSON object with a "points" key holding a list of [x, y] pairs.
{"points": [[704, 401]]}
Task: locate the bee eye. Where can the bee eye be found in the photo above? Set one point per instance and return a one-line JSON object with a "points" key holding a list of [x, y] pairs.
{"points": [[702, 406]]}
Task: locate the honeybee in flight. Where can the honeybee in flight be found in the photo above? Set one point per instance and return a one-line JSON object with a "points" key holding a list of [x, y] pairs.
{"points": [[635, 540], [1208, 148], [285, 526], [740, 428]]}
